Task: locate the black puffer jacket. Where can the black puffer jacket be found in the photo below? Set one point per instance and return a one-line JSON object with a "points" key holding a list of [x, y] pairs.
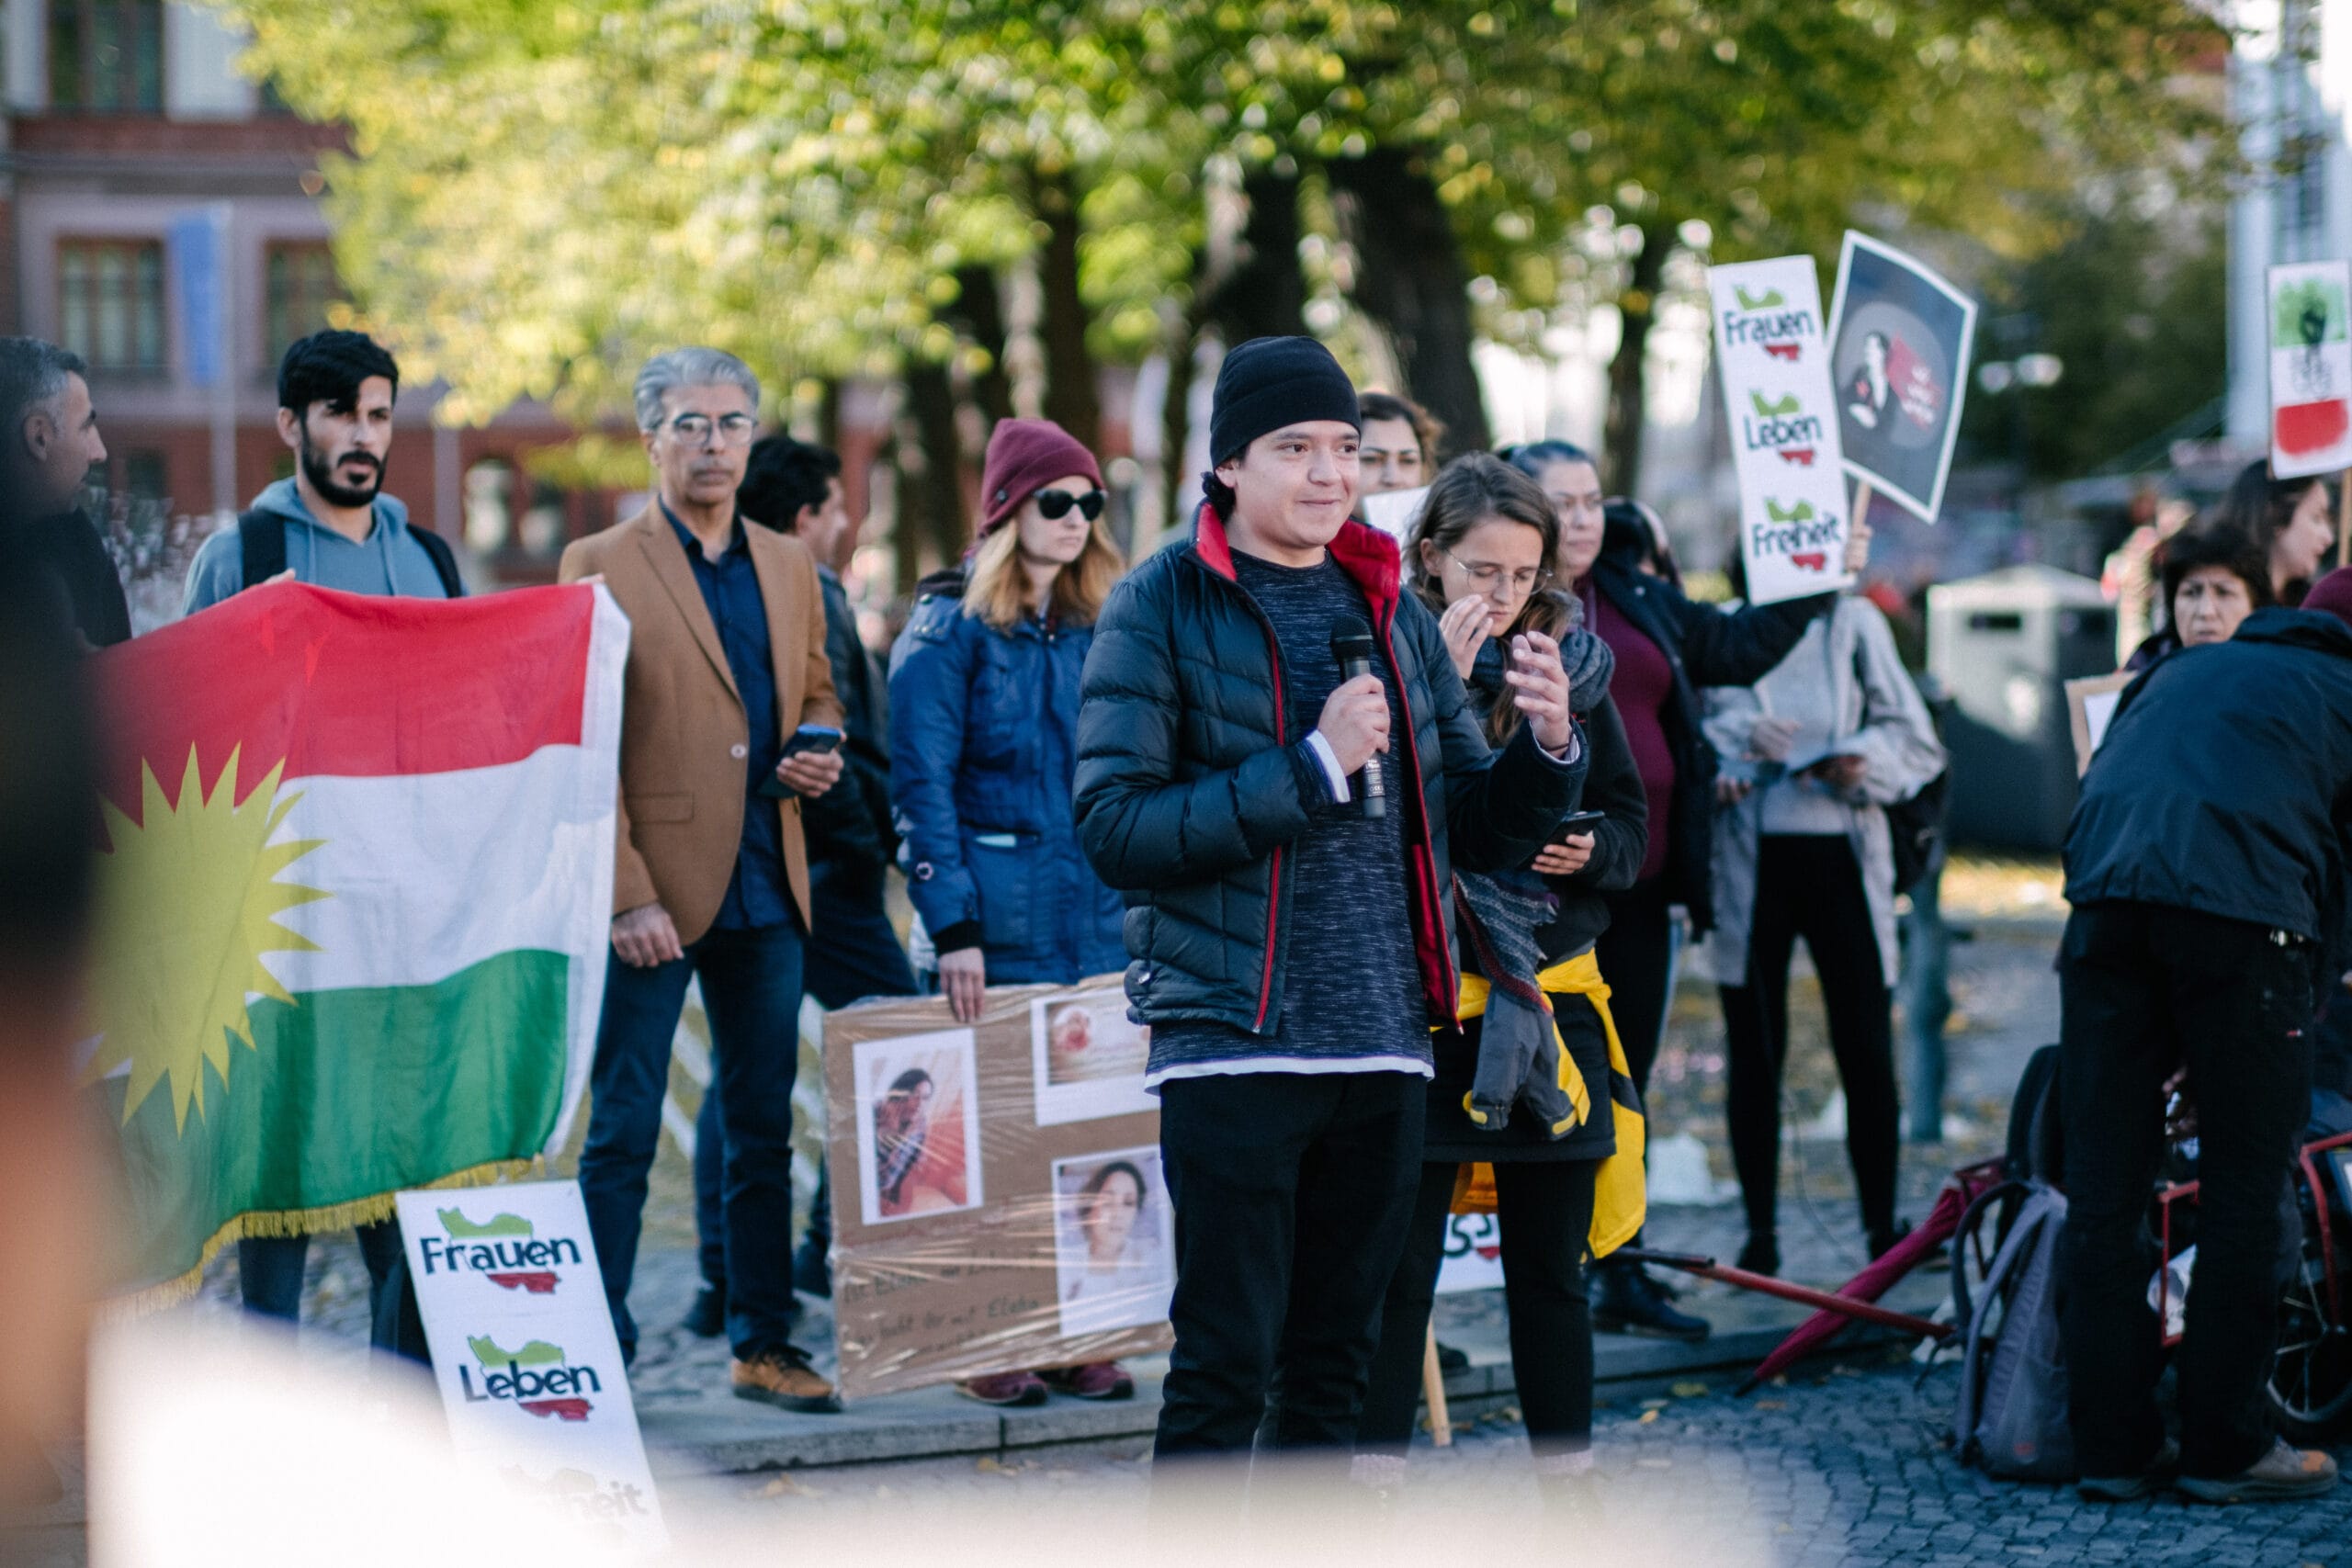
{"points": [[1188, 789], [2224, 783], [1706, 647]]}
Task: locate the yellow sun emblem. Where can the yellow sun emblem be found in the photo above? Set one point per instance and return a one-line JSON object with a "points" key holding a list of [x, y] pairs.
{"points": [[190, 903]]}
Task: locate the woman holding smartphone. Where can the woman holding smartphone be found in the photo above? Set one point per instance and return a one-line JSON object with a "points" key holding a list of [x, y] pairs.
{"points": [[984, 687], [1481, 558]]}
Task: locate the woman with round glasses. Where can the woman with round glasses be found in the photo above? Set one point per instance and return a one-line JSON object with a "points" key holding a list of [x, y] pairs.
{"points": [[983, 744]]}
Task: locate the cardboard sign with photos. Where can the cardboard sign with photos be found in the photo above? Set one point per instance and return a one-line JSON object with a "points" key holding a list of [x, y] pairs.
{"points": [[997, 1200]]}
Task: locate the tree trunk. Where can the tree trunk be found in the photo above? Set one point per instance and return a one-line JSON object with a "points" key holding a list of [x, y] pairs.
{"points": [[1073, 401], [935, 493], [1176, 426], [1265, 294], [1621, 456], [1408, 279], [979, 313]]}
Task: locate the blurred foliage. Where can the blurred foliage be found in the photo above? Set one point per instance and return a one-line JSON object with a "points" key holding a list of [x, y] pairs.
{"points": [[543, 190]]}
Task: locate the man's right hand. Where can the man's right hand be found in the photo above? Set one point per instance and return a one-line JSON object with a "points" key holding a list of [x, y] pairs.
{"points": [[1356, 722], [964, 976], [645, 936]]}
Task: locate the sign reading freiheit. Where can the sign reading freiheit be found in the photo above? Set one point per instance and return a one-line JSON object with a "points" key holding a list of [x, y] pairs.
{"points": [[1772, 356], [524, 1351]]}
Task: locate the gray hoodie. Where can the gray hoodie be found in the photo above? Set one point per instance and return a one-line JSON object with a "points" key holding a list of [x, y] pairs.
{"points": [[389, 562]]}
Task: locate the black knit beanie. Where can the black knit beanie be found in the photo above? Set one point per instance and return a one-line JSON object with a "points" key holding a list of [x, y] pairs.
{"points": [[1269, 382]]}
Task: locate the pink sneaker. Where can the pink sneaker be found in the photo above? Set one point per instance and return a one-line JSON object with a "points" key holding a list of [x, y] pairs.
{"points": [[1095, 1380], [1004, 1388]]}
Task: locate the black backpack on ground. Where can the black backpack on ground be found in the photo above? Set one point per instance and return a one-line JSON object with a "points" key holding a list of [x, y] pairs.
{"points": [[260, 539]]}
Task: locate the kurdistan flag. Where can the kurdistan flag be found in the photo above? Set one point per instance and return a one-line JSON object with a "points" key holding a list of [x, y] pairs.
{"points": [[354, 908]]}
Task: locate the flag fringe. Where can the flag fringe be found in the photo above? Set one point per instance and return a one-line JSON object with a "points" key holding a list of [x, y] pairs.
{"points": [[288, 1223]]}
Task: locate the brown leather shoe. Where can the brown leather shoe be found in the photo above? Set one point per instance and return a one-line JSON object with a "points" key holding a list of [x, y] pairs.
{"points": [[784, 1378]]}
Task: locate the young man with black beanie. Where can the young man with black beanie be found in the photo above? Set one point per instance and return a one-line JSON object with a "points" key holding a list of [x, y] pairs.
{"points": [[1291, 944]]}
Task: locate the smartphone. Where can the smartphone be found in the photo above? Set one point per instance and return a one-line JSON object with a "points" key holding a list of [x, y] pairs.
{"points": [[807, 738], [1577, 822]]}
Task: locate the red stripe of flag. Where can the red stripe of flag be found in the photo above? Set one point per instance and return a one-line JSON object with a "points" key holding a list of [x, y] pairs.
{"points": [[346, 683]]}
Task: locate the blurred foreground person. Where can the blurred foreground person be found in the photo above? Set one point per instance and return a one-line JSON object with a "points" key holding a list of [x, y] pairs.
{"points": [[49, 442], [2200, 866]]}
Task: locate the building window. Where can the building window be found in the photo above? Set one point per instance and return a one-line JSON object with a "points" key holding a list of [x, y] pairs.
{"points": [[301, 284], [107, 56], [110, 303]]}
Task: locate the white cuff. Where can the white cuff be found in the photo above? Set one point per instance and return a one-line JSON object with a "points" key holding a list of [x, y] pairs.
{"points": [[1333, 774], [1567, 756]]}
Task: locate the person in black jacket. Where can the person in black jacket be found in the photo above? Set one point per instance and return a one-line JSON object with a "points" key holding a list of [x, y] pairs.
{"points": [[2203, 864], [50, 443], [1290, 950], [852, 951], [1667, 645], [1480, 555]]}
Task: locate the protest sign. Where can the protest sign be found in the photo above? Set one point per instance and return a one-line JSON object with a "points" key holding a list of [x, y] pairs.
{"points": [[1899, 344], [1473, 1259], [2310, 369], [2090, 708], [1771, 352], [997, 1199], [524, 1351], [356, 904]]}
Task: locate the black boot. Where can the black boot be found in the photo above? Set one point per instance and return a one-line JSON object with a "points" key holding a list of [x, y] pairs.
{"points": [[1762, 1252], [1451, 1359], [1630, 1301], [706, 1319]]}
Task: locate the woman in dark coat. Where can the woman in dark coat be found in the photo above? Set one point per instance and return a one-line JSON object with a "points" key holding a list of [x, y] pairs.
{"points": [[1667, 647], [1479, 556]]}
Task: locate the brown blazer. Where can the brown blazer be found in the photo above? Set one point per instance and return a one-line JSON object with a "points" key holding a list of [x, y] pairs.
{"points": [[684, 736]]}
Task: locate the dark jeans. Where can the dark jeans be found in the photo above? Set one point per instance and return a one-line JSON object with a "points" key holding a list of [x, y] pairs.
{"points": [[269, 1277], [1637, 954], [1926, 1000], [2144, 989], [1810, 885], [751, 987], [852, 955], [1545, 1211], [1292, 1191]]}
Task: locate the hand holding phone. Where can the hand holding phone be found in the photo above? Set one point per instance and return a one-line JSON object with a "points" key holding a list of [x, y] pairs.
{"points": [[810, 763], [1571, 845]]}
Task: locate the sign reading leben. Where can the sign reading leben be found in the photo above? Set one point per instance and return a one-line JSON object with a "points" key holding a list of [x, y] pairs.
{"points": [[1781, 409], [524, 1351], [970, 1238]]}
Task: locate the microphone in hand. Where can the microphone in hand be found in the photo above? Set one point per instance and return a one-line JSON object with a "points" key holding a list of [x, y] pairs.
{"points": [[1351, 649]]}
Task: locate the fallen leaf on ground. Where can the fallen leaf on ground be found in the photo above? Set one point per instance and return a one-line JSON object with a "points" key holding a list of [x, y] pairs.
{"points": [[1688, 1390]]}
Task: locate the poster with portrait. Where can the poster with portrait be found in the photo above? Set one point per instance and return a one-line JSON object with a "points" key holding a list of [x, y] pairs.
{"points": [[1899, 338], [1772, 362], [2310, 369], [918, 1126], [971, 1234], [1089, 1057], [1114, 1240]]}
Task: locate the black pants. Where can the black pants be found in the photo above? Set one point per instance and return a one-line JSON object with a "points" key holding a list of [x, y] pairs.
{"points": [[1637, 953], [1545, 1211], [2144, 989], [1292, 1194], [1811, 886]]}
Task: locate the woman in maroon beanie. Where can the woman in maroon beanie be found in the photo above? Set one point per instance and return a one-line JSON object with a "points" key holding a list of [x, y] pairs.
{"points": [[983, 743]]}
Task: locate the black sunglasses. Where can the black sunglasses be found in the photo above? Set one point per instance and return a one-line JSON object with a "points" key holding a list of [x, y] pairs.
{"points": [[1055, 504]]}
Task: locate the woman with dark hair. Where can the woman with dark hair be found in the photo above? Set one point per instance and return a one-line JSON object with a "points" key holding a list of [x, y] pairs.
{"points": [[1480, 559], [1106, 1291], [2287, 520], [1399, 448], [2215, 577], [901, 1129], [1667, 647], [984, 686]]}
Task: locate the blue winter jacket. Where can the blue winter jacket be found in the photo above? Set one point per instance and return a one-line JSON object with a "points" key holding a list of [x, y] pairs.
{"points": [[983, 746]]}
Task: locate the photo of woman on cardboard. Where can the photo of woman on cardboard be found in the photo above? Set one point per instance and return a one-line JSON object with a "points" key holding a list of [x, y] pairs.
{"points": [[1114, 1245], [1088, 1057], [918, 1128]]}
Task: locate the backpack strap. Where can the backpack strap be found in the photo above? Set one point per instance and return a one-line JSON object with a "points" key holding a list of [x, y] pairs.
{"points": [[445, 560], [260, 540]]}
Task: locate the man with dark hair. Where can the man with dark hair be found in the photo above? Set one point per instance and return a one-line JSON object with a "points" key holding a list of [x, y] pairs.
{"points": [[1401, 438], [50, 443], [332, 525], [852, 950], [1292, 947]]}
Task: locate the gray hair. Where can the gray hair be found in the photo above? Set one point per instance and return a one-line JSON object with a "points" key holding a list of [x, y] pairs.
{"points": [[688, 368], [32, 376]]}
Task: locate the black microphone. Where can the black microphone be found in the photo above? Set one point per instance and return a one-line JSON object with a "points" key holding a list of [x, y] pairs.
{"points": [[1352, 646]]}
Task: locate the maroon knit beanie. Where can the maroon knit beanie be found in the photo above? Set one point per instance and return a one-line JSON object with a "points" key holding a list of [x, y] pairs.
{"points": [[1026, 456], [2333, 594]]}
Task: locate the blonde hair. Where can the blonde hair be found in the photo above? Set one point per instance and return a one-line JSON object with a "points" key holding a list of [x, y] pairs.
{"points": [[996, 591]]}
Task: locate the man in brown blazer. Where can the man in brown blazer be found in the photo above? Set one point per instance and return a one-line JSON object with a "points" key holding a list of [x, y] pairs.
{"points": [[725, 660]]}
